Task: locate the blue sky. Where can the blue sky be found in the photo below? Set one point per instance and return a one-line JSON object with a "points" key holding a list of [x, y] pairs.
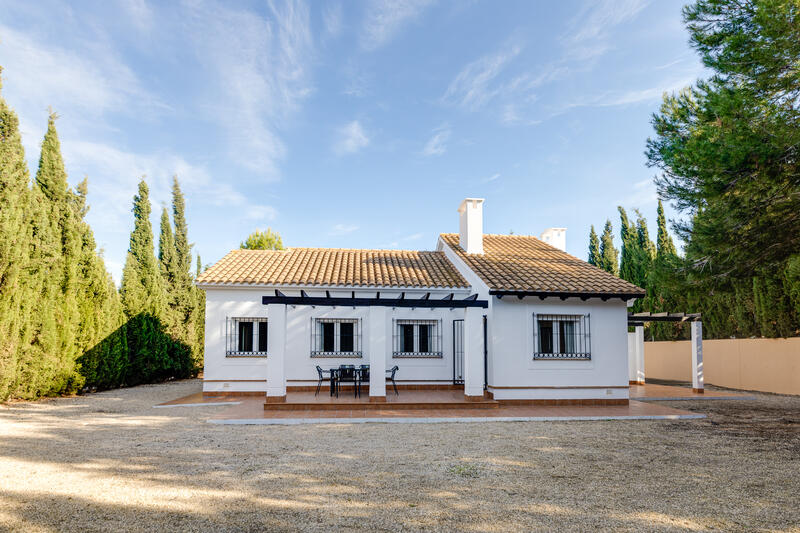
{"points": [[348, 124]]}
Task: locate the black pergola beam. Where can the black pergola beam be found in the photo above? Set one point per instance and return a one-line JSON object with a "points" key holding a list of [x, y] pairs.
{"points": [[425, 302], [639, 319], [564, 295]]}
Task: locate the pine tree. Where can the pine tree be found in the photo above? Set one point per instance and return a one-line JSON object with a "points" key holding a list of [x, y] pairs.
{"points": [[14, 197], [263, 240], [608, 254], [594, 248], [665, 246]]}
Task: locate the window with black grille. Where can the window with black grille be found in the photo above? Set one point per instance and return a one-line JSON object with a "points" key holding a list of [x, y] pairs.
{"points": [[246, 337], [336, 337], [417, 338], [561, 337]]}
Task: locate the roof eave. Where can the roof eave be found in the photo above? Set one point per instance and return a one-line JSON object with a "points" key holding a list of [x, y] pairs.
{"points": [[563, 295]]}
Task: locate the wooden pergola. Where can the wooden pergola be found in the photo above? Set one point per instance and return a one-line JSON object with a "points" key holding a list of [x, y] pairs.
{"points": [[636, 373]]}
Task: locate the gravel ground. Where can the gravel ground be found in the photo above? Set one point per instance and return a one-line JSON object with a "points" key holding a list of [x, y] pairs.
{"points": [[109, 461]]}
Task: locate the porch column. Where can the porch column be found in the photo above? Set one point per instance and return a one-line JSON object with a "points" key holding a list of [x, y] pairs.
{"points": [[639, 354], [473, 353], [377, 344], [632, 370], [276, 353], [698, 382]]}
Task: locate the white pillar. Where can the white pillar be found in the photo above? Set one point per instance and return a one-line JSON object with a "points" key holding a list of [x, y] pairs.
{"points": [[640, 354], [276, 353], [633, 372], [698, 382], [378, 335], [473, 353]]}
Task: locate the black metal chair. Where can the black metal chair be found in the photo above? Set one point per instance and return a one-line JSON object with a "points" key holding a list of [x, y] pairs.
{"points": [[393, 372], [321, 375], [347, 374], [363, 375]]}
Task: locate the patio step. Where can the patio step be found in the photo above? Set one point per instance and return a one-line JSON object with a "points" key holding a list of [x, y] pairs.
{"points": [[384, 406]]}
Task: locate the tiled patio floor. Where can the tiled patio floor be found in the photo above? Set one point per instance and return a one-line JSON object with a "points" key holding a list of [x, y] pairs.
{"points": [[250, 409]]}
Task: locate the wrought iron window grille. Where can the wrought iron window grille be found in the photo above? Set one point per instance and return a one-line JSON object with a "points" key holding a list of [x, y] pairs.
{"points": [[417, 339], [246, 336], [562, 337], [336, 337]]}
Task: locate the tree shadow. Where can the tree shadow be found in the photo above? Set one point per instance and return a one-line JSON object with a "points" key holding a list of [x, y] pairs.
{"points": [[140, 351]]}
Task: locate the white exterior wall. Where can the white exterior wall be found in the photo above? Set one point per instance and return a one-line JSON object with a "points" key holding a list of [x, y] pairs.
{"points": [[238, 374], [511, 346], [510, 360]]}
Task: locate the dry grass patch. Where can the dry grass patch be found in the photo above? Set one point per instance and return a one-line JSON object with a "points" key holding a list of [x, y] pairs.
{"points": [[109, 461]]}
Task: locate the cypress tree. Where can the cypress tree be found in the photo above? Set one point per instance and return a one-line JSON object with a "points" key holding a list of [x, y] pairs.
{"points": [[190, 316], [168, 264], [182, 246], [143, 299], [142, 287], [61, 244], [102, 341], [664, 245], [608, 254], [629, 238], [594, 248], [14, 198]]}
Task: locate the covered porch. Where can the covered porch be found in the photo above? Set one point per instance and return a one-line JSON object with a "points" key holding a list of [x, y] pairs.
{"points": [[376, 350]]}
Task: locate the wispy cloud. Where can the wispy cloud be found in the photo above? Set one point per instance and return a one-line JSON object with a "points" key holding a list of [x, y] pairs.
{"points": [[93, 81], [437, 144], [635, 96], [139, 13], [261, 72], [473, 86], [642, 194], [384, 18], [332, 19], [343, 229], [113, 177], [588, 33], [350, 138], [492, 178], [496, 81], [357, 81]]}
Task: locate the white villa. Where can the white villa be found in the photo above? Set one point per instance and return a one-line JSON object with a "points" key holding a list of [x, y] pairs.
{"points": [[507, 317]]}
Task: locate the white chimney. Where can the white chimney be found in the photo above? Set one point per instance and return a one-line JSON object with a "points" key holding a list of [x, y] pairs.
{"points": [[556, 237], [470, 225]]}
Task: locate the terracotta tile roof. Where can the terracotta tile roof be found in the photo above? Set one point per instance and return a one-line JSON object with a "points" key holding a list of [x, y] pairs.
{"points": [[330, 266], [521, 263]]}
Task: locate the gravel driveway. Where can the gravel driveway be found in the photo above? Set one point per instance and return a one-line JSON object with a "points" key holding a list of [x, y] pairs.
{"points": [[109, 461]]}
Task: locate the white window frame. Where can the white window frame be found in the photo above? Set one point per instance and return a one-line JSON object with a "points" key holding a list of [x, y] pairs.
{"points": [[434, 338], [232, 336], [317, 337], [581, 349]]}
